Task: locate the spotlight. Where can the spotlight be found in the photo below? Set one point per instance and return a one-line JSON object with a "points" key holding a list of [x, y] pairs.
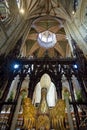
{"points": [[75, 66], [16, 66]]}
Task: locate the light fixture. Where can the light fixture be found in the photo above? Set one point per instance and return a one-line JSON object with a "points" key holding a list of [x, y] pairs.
{"points": [[47, 39], [16, 66], [75, 66], [22, 11], [73, 12]]}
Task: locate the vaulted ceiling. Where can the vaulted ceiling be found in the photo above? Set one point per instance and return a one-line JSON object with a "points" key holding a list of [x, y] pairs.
{"points": [[27, 19], [41, 25], [50, 16], [54, 16]]}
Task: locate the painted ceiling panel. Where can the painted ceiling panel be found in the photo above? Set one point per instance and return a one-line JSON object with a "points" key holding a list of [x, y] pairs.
{"points": [[63, 45], [33, 49], [41, 52], [40, 29], [47, 23], [59, 49], [54, 29], [33, 36], [61, 37], [29, 43], [51, 52]]}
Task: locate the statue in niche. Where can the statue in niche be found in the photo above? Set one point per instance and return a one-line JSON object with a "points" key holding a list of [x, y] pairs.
{"points": [[43, 117]]}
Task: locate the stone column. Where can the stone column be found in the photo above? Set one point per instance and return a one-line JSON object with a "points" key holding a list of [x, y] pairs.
{"points": [[73, 100], [13, 87], [24, 87], [66, 94], [16, 113]]}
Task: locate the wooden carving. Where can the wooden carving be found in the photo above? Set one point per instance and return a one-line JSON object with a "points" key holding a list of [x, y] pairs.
{"points": [[43, 118]]}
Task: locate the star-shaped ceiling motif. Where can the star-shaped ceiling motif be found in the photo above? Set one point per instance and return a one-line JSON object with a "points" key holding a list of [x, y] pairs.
{"points": [[44, 26]]}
